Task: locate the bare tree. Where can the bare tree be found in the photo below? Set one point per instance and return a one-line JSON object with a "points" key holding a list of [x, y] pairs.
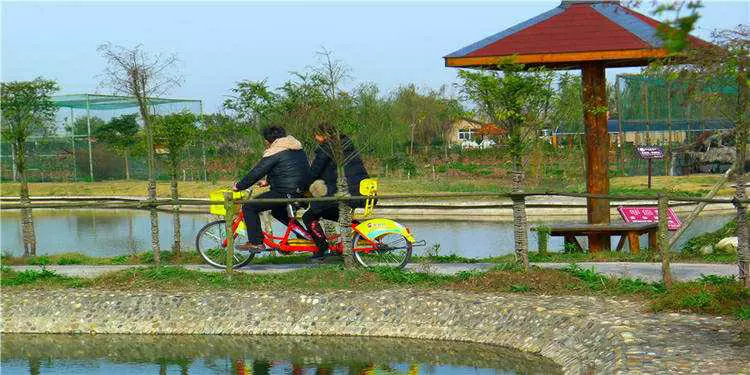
{"points": [[136, 73], [330, 74]]}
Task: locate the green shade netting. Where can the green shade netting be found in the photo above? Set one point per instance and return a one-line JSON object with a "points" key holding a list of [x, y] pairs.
{"points": [[97, 102], [653, 98]]}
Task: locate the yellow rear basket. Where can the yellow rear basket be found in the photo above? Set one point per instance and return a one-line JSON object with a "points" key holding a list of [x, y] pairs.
{"points": [[218, 195], [369, 188]]}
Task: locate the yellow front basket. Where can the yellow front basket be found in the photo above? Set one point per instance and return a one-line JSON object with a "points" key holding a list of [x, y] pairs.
{"points": [[218, 195]]}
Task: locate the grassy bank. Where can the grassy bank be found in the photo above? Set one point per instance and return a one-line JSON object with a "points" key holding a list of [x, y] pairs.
{"points": [[191, 257], [686, 185], [710, 295]]}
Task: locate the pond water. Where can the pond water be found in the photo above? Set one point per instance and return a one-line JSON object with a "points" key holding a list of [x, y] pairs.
{"points": [[120, 232], [142, 354]]}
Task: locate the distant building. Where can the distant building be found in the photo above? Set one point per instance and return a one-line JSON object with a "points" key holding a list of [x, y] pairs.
{"points": [[463, 130]]}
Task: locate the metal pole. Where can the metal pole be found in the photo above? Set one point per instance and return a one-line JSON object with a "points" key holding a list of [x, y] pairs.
{"points": [[650, 171], [644, 89], [88, 130], [13, 160], [73, 137], [619, 125], [668, 159], [203, 148]]}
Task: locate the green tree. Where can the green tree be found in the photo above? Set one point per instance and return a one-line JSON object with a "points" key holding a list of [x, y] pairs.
{"points": [[720, 71], [27, 109], [253, 102], [567, 107], [234, 142], [518, 101], [81, 125], [174, 133], [120, 134]]}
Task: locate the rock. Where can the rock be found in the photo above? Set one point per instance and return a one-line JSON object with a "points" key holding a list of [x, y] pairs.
{"points": [[708, 249], [727, 245]]}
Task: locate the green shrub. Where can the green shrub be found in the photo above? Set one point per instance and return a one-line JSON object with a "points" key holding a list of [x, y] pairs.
{"points": [[508, 266], [121, 259], [147, 257], [27, 277], [42, 260], [519, 288], [743, 313], [633, 286], [63, 260], [699, 300], [593, 279], [717, 280]]}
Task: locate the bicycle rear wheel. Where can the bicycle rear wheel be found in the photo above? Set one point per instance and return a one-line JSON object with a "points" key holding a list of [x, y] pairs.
{"points": [[209, 243], [391, 250]]}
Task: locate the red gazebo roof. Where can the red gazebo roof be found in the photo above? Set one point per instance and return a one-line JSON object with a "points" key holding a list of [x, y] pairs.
{"points": [[573, 33]]}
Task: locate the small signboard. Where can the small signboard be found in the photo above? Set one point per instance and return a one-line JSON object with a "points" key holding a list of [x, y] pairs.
{"points": [[645, 214], [650, 152]]}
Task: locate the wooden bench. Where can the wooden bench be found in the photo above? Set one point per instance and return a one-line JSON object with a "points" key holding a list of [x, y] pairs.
{"points": [[631, 232]]}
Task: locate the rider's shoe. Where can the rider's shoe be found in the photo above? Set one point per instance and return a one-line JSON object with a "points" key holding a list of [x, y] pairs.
{"points": [[253, 248]]}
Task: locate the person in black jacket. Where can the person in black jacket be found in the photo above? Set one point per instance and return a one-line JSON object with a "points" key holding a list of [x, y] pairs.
{"points": [[324, 168], [284, 166]]}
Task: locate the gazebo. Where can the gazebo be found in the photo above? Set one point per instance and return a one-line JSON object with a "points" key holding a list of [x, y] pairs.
{"points": [[586, 35]]}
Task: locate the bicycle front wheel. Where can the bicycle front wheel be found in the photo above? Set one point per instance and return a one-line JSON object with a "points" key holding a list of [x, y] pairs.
{"points": [[390, 250], [210, 244]]}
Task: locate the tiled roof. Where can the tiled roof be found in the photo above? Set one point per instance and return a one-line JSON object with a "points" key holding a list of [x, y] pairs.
{"points": [[573, 27]]}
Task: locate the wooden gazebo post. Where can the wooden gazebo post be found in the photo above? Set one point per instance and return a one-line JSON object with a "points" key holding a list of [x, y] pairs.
{"points": [[594, 94], [590, 35]]}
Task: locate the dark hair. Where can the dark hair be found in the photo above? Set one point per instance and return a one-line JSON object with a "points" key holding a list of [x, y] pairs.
{"points": [[272, 133], [325, 128]]}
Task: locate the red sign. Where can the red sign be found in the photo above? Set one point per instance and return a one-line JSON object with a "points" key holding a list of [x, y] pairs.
{"points": [[643, 214], [650, 152]]}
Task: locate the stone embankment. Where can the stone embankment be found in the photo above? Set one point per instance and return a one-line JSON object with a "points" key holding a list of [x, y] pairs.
{"points": [[581, 334]]}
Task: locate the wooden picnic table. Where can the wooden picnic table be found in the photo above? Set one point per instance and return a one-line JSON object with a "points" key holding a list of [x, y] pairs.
{"points": [[631, 232]]}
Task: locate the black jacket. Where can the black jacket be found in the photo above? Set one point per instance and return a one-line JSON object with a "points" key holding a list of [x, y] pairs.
{"points": [[284, 164], [324, 167]]}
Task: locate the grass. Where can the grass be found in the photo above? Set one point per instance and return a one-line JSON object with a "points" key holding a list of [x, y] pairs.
{"points": [[192, 257], [713, 295], [681, 185]]}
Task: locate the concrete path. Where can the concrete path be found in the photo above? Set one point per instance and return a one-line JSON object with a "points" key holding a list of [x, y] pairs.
{"points": [[644, 271]]}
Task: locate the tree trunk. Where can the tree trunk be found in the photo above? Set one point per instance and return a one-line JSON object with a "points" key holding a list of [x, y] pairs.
{"points": [[663, 240], [154, 216], [411, 141], [520, 234], [151, 174], [345, 218], [175, 215], [127, 166], [27, 219], [741, 135]]}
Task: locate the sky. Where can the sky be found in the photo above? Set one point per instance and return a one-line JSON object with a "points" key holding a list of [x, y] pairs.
{"points": [[220, 43]]}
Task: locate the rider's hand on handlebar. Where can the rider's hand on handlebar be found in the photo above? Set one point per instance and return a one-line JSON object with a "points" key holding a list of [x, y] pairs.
{"points": [[234, 187], [263, 183]]}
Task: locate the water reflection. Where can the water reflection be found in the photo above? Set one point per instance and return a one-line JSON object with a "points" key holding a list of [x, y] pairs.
{"points": [[120, 232], [126, 354]]}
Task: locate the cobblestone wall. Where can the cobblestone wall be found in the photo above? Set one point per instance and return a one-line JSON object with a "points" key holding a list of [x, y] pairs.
{"points": [[582, 334]]}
